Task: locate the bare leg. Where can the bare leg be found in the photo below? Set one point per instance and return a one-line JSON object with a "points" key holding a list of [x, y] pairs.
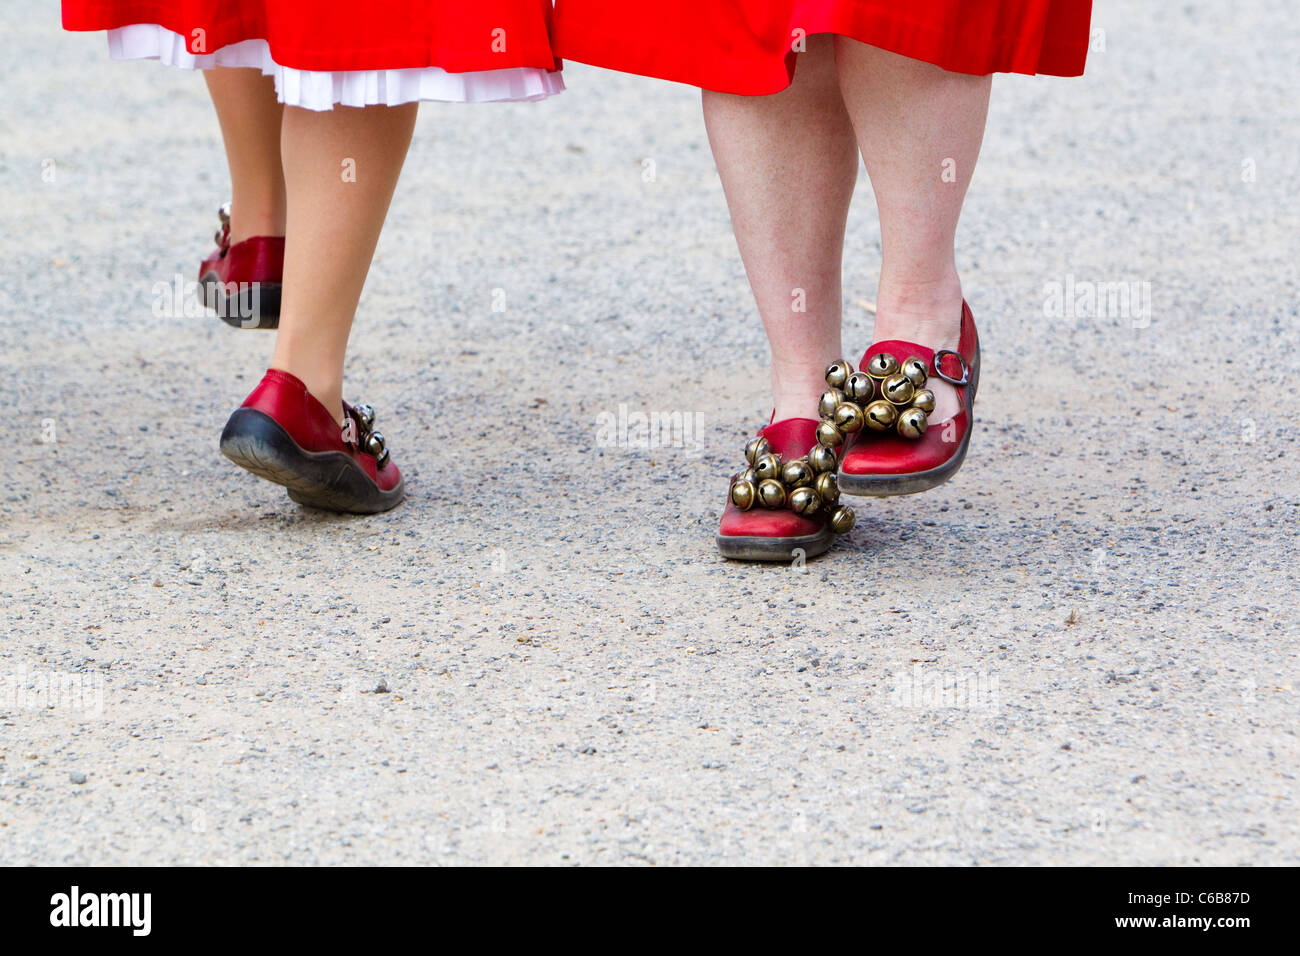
{"points": [[340, 168], [788, 164], [919, 128], [250, 117]]}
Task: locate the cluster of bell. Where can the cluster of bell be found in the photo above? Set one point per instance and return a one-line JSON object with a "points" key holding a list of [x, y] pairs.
{"points": [[224, 215], [805, 485], [370, 441], [886, 394]]}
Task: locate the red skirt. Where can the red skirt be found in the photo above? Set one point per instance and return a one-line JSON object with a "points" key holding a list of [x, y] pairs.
{"points": [[745, 46], [459, 36]]}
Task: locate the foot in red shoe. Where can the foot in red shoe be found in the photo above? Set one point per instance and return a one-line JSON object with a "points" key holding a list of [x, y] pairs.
{"points": [[283, 434], [786, 501], [242, 281], [900, 452]]}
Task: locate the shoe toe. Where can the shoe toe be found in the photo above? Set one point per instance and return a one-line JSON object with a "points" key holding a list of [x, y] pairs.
{"points": [[388, 477], [874, 453], [767, 523]]}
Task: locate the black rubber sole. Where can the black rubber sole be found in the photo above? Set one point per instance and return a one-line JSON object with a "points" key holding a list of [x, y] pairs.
{"points": [[247, 308], [328, 480], [885, 486], [774, 549]]}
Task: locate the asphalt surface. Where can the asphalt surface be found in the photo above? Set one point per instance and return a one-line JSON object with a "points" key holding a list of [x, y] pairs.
{"points": [[1081, 650]]}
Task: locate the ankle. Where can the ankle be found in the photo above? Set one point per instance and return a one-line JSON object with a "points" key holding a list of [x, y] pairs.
{"points": [[784, 408], [255, 219], [795, 395], [925, 312]]}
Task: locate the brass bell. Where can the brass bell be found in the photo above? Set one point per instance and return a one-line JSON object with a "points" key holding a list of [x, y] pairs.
{"points": [[882, 365], [912, 423], [822, 459], [769, 466], [827, 487], [881, 416], [924, 400], [224, 213], [860, 387], [366, 416], [914, 371], [829, 435], [376, 446], [757, 448], [804, 501], [837, 373], [897, 390], [849, 419], [797, 473], [749, 475], [831, 399], [842, 520], [743, 494], [771, 493]]}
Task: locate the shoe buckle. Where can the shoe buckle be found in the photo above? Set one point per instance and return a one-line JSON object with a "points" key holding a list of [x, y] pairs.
{"points": [[938, 367]]}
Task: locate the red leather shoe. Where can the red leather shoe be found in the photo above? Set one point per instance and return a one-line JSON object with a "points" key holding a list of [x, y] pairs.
{"points": [[768, 529], [242, 282], [885, 462], [283, 434]]}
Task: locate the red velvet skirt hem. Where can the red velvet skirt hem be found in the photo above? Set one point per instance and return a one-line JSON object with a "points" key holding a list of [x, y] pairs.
{"points": [[341, 35], [690, 42]]}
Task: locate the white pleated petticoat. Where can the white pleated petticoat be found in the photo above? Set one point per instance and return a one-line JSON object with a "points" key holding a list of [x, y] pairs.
{"points": [[316, 90]]}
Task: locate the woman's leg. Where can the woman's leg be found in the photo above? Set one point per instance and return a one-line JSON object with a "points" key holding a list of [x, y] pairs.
{"points": [[250, 118], [788, 164], [340, 170], [919, 128]]}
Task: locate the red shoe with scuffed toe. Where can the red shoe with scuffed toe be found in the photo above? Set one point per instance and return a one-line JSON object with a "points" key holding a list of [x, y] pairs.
{"points": [[283, 434], [786, 500], [242, 281], [901, 455]]}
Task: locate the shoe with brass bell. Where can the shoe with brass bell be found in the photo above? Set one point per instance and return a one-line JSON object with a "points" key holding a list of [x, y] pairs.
{"points": [[283, 434], [241, 282], [786, 501], [901, 451]]}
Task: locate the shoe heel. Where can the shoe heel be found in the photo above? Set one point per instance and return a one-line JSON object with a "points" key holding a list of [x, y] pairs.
{"points": [[246, 309], [328, 480]]}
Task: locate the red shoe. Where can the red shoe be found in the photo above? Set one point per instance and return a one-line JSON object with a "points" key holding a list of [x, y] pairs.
{"points": [[885, 462], [283, 434], [760, 522], [242, 282]]}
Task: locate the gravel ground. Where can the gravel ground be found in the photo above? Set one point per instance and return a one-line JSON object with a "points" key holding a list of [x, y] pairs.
{"points": [[539, 657]]}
